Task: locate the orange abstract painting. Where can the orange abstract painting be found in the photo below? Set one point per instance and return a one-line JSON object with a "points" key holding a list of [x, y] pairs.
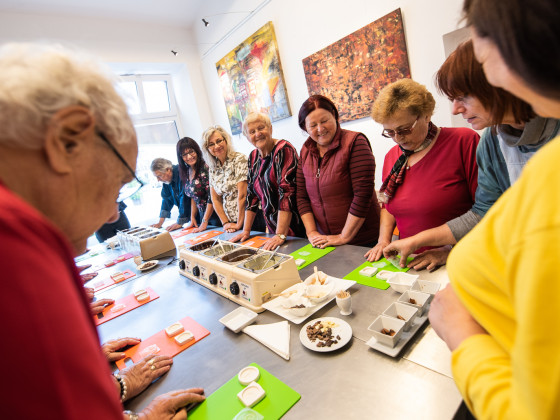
{"points": [[354, 69]]}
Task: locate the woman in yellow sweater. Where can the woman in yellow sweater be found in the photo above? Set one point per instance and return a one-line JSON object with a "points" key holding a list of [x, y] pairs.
{"points": [[500, 316]]}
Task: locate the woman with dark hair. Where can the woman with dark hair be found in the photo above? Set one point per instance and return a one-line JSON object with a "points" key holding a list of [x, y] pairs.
{"points": [[512, 136], [430, 175], [194, 176], [499, 316], [335, 179]]}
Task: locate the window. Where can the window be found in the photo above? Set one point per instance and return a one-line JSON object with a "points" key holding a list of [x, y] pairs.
{"points": [[151, 103]]}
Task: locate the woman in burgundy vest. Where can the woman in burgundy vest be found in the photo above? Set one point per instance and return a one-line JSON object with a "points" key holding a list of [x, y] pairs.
{"points": [[335, 180]]}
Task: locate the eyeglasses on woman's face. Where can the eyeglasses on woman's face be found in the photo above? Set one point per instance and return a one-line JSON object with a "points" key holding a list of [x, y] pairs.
{"points": [[189, 152], [218, 142], [399, 132]]}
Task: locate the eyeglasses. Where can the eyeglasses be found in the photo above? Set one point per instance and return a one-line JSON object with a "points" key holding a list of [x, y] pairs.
{"points": [[218, 142], [401, 132], [133, 186], [190, 153]]}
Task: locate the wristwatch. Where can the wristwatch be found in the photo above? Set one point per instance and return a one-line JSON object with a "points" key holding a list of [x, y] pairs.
{"points": [[283, 237]]}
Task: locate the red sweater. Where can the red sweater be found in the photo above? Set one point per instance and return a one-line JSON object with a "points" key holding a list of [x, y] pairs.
{"points": [[438, 188], [345, 185], [53, 366]]}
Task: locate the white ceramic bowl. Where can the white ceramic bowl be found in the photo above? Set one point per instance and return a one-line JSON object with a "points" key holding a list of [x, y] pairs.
{"points": [[422, 300], [400, 309], [296, 300], [388, 323], [317, 294], [426, 286], [311, 280]]}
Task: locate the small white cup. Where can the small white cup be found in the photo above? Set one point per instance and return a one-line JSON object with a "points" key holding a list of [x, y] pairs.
{"points": [[345, 305]]}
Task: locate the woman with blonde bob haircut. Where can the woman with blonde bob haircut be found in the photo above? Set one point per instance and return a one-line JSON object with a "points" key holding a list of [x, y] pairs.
{"points": [[228, 177], [430, 176], [272, 183]]}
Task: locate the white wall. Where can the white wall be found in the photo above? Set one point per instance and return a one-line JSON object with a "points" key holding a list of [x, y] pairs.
{"points": [[304, 27], [128, 47]]}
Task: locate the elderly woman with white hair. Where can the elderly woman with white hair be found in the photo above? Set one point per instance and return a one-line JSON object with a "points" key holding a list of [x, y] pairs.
{"points": [[228, 177], [272, 183], [67, 152]]}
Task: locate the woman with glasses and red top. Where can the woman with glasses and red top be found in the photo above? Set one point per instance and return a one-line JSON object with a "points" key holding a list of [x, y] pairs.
{"points": [[193, 171], [430, 176]]}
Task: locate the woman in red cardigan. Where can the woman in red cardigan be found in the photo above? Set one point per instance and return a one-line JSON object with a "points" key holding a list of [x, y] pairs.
{"points": [[335, 179]]}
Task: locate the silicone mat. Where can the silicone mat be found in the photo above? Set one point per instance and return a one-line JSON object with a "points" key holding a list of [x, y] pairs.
{"points": [[129, 303], [374, 281], [204, 236], [224, 404], [102, 284], [310, 254], [183, 232], [167, 345], [256, 242]]}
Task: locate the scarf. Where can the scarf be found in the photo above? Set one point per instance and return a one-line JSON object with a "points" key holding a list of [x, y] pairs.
{"points": [[396, 176]]}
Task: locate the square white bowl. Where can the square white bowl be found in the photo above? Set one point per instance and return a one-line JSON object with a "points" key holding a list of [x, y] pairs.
{"points": [[239, 318], [406, 311], [425, 286], [422, 300], [401, 282], [388, 323]]}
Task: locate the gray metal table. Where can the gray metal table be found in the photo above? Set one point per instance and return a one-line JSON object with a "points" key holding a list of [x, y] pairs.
{"points": [[354, 382]]}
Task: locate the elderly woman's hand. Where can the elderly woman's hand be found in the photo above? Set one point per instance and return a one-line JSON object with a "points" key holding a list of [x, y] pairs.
{"points": [[87, 277], [241, 237], [171, 406], [451, 320], [174, 226], [110, 347], [430, 259], [316, 239], [376, 252], [140, 375], [203, 226], [89, 293], [98, 306], [273, 243], [402, 247]]}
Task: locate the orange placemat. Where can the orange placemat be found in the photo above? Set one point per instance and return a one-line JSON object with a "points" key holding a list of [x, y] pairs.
{"points": [[112, 262], [102, 284], [183, 232], [167, 345], [256, 242], [130, 303], [204, 236]]}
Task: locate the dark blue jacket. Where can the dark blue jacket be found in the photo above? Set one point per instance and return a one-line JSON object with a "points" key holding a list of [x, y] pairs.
{"points": [[172, 195]]}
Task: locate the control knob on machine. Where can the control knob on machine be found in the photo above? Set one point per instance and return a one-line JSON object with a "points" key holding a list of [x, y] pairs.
{"points": [[234, 288], [213, 279], [182, 264], [196, 271]]}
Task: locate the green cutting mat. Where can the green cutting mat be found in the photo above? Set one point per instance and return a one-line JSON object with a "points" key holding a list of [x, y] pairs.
{"points": [[314, 254], [224, 404], [374, 281]]}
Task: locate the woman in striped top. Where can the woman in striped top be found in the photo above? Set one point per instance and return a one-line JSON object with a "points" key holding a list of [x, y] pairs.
{"points": [[272, 182]]}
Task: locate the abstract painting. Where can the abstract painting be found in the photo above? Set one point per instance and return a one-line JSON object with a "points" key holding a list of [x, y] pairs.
{"points": [[354, 69], [252, 80]]}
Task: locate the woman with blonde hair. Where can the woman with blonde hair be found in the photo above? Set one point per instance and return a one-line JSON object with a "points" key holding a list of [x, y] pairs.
{"points": [[228, 177]]}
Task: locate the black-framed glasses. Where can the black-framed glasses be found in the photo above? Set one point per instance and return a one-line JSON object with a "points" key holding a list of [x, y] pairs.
{"points": [[190, 153], [218, 142], [401, 132], [131, 187]]}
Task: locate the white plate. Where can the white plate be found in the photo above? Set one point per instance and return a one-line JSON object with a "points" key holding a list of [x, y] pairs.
{"points": [[343, 329], [405, 338], [275, 305], [142, 267]]}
